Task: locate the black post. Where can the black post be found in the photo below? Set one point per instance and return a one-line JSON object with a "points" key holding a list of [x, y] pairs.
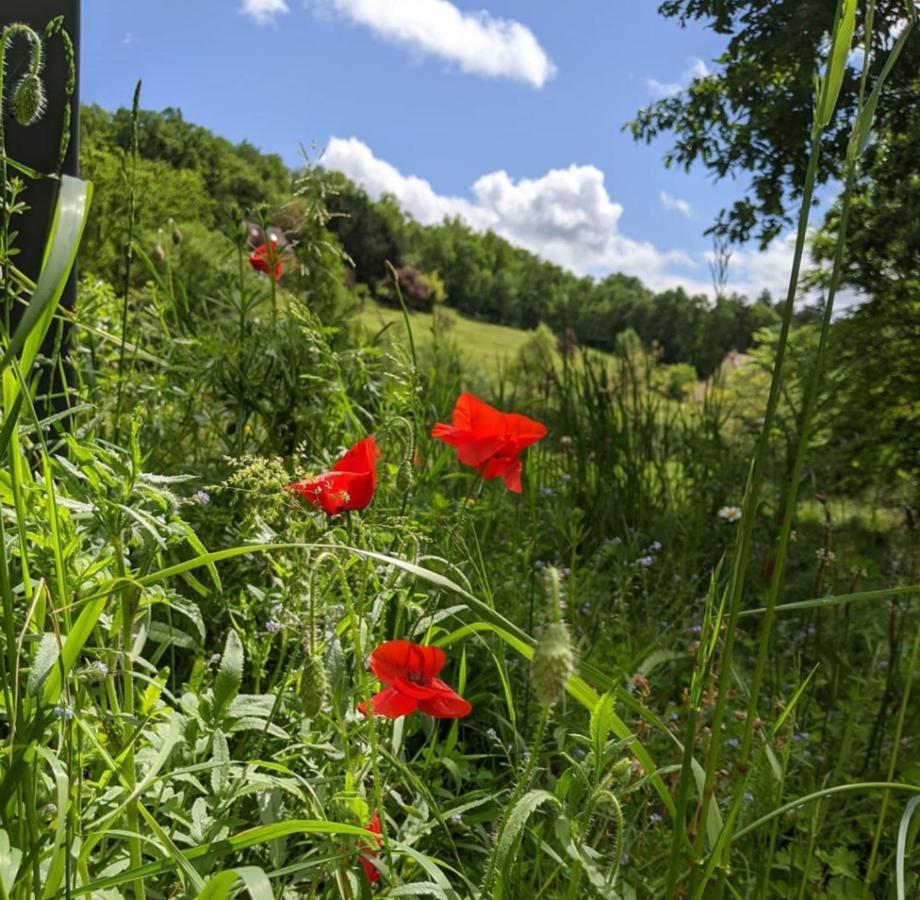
{"points": [[38, 145]]}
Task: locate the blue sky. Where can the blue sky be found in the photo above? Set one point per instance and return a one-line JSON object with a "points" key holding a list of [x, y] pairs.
{"points": [[509, 116]]}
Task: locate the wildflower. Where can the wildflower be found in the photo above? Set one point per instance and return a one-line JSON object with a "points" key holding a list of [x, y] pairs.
{"points": [[645, 561], [730, 514], [733, 742], [548, 492], [538, 564], [566, 477], [654, 547], [655, 818], [457, 819], [613, 542], [63, 712], [267, 259], [489, 440], [552, 664], [98, 669], [371, 872], [350, 484], [273, 627], [202, 497], [409, 672]]}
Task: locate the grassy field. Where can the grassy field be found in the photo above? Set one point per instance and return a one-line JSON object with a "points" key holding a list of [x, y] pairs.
{"points": [[484, 345]]}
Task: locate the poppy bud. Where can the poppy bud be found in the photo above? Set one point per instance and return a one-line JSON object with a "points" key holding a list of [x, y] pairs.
{"points": [[29, 99], [553, 662], [159, 254], [314, 686], [621, 768], [176, 235]]}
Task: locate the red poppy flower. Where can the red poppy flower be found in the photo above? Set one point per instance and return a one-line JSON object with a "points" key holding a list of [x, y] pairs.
{"points": [[350, 484], [409, 672], [266, 260], [489, 440], [371, 872]]}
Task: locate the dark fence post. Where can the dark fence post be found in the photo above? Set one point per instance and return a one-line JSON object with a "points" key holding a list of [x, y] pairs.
{"points": [[38, 145]]}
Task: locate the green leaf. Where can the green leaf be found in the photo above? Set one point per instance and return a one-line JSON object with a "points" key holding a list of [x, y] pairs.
{"points": [[10, 859], [517, 819], [837, 60], [46, 655], [230, 675], [222, 885], [67, 225]]}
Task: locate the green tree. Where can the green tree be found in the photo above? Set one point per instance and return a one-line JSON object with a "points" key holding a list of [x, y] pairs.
{"points": [[751, 117]]}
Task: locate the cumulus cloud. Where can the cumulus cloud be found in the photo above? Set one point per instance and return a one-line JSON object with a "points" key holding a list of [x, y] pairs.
{"points": [[696, 68], [263, 12], [565, 216], [477, 42], [675, 204]]}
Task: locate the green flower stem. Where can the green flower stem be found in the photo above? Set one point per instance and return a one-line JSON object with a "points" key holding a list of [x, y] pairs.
{"points": [[753, 491], [871, 871]]}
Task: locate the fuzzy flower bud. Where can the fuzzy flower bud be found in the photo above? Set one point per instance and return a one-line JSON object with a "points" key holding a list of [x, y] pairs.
{"points": [[159, 254], [314, 685], [553, 663], [29, 99]]}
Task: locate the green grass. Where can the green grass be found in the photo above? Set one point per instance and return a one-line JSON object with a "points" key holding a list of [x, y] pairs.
{"points": [[484, 345]]}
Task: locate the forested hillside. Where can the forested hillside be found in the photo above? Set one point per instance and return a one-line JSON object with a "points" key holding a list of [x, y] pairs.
{"points": [[201, 179]]}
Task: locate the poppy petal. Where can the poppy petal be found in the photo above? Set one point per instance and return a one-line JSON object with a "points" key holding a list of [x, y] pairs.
{"points": [[371, 872], [398, 659], [350, 484], [361, 458], [446, 704], [476, 415], [390, 703]]}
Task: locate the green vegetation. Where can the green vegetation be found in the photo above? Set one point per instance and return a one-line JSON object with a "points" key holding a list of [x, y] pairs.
{"points": [[690, 644]]}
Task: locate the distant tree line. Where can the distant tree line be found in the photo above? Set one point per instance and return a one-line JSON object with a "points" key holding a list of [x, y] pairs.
{"points": [[195, 179]]}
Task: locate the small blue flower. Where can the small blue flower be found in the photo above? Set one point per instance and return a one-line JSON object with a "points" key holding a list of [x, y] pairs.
{"points": [[539, 564], [613, 542], [272, 627], [548, 492], [457, 819], [733, 742], [63, 712], [655, 818], [566, 477], [645, 561], [655, 546], [748, 797], [202, 497]]}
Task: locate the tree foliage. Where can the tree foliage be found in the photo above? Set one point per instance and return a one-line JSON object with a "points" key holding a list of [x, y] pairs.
{"points": [[751, 118]]}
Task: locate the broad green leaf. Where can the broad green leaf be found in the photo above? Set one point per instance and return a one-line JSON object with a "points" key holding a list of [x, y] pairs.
{"points": [[229, 675], [46, 655]]}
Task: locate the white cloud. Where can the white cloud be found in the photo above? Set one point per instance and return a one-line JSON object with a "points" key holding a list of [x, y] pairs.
{"points": [[477, 42], [263, 12], [696, 68], [565, 216], [670, 202]]}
